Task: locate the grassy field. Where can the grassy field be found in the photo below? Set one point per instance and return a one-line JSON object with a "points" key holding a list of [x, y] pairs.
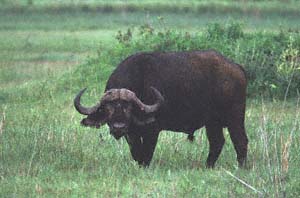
{"points": [[44, 152]]}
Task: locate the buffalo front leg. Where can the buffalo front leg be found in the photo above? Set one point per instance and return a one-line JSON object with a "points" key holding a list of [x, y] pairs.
{"points": [[142, 147], [216, 141], [135, 146]]}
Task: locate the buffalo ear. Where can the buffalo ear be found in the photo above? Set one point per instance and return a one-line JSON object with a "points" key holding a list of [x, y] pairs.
{"points": [[95, 120]]}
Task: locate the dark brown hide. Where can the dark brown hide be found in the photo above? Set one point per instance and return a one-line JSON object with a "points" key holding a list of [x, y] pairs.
{"points": [[200, 89]]}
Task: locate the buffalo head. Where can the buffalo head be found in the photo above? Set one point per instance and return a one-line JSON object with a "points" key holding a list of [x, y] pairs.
{"points": [[116, 108]]}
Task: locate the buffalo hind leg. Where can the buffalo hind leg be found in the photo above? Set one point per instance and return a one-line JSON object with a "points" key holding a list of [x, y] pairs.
{"points": [[216, 141], [142, 147], [237, 133], [240, 142]]}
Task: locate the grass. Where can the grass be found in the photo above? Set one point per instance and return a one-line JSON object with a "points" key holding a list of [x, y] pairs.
{"points": [[45, 152], [77, 21], [48, 153]]}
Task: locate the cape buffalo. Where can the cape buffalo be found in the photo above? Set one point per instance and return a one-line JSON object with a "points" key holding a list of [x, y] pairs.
{"points": [[176, 91]]}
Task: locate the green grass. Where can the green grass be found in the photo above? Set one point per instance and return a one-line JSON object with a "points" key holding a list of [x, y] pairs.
{"points": [[44, 61], [45, 152], [76, 21]]}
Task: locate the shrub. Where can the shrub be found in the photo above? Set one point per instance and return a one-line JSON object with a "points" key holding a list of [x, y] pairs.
{"points": [[271, 60]]}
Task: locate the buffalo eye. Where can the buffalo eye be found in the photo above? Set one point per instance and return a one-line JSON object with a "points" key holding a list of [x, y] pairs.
{"points": [[109, 108], [126, 110], [126, 107]]}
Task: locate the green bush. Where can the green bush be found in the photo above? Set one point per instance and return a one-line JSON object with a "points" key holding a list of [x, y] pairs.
{"points": [[271, 60]]}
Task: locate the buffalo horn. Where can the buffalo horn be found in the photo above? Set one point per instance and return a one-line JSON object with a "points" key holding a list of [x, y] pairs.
{"points": [[150, 108], [80, 108]]}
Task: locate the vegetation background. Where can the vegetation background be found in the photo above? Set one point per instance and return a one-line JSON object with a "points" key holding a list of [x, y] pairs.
{"points": [[49, 50]]}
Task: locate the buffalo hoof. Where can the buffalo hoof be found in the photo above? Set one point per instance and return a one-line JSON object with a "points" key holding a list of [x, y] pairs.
{"points": [[191, 138]]}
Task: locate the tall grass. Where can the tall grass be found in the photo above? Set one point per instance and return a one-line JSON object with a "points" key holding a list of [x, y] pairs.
{"points": [[44, 152]]}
